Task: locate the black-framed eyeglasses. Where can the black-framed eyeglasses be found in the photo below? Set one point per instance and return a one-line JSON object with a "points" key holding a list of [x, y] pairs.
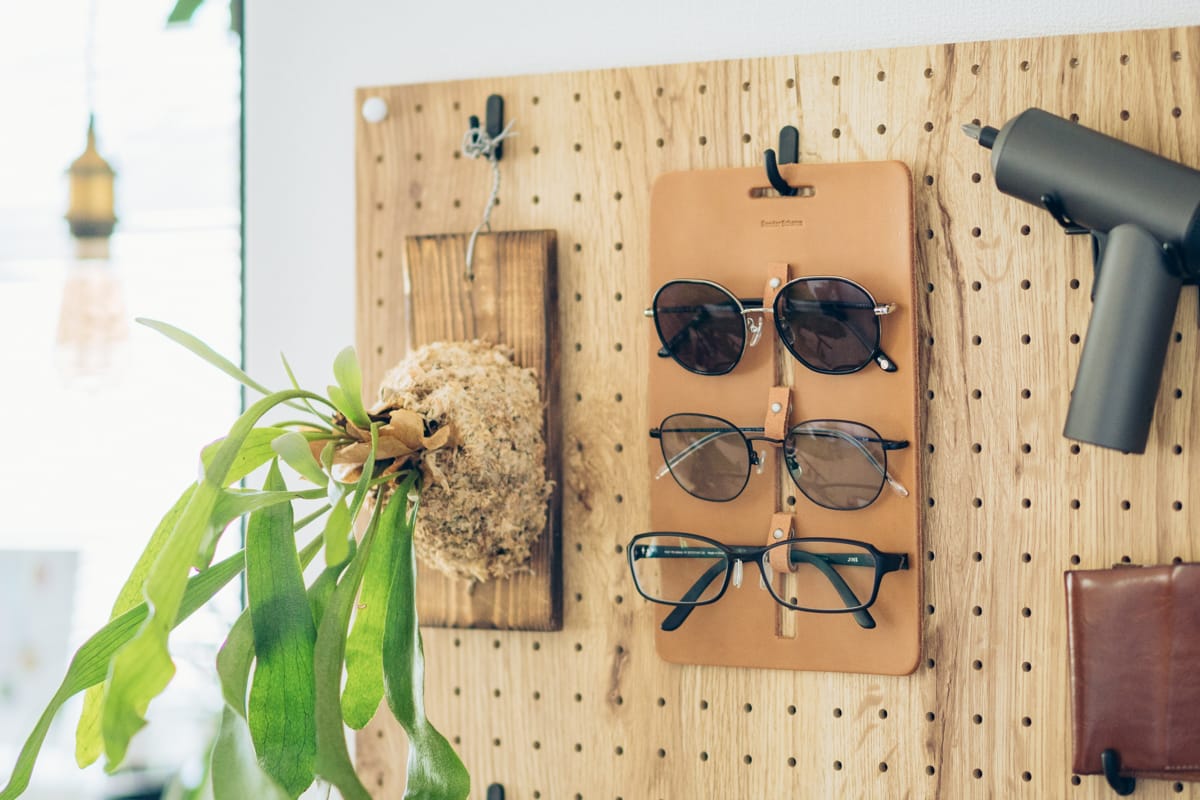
{"points": [[831, 325], [838, 464], [818, 575]]}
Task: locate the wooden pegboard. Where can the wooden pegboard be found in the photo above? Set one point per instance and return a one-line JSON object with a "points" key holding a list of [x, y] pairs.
{"points": [[591, 712]]}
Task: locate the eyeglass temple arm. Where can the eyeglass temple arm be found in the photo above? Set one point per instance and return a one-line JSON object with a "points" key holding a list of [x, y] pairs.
{"points": [[679, 614], [821, 562], [885, 362], [713, 433], [886, 444], [681, 334]]}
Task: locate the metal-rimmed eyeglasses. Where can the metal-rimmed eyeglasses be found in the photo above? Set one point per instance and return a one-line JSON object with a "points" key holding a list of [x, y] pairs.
{"points": [[837, 464]]}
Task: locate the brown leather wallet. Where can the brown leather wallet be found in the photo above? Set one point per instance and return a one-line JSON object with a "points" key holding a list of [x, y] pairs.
{"points": [[1134, 639]]}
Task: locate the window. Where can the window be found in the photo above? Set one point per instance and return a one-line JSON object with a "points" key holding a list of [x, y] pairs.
{"points": [[105, 418]]}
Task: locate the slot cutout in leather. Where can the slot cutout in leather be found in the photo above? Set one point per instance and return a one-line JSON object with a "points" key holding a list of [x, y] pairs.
{"points": [[764, 192]]}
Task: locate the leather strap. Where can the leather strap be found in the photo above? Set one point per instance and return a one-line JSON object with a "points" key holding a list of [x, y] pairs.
{"points": [[782, 528], [779, 410]]}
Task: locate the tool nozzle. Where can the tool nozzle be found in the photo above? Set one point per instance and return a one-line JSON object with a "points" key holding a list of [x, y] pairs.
{"points": [[984, 134]]}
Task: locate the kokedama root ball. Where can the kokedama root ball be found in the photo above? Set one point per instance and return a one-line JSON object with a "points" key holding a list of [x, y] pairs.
{"points": [[483, 496]]}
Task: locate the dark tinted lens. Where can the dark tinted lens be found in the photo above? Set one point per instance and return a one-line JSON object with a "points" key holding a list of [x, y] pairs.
{"points": [[836, 464], [700, 326], [825, 575], [827, 323], [674, 568], [706, 455]]}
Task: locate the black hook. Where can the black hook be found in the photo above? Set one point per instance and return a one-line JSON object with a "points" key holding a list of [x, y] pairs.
{"points": [[789, 153], [493, 123], [1111, 761], [495, 792], [1052, 204]]}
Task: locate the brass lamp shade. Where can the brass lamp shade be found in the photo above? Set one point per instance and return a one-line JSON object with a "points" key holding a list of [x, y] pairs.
{"points": [[90, 210]]}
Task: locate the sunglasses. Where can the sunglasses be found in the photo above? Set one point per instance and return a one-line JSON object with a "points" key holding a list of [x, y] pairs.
{"points": [[831, 576], [831, 325], [837, 464]]}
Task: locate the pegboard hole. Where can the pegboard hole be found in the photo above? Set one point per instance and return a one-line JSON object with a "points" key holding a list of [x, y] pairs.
{"points": [[977, 556], [1073, 283], [881, 75], [930, 716], [1075, 560], [976, 340], [928, 126], [977, 611], [791, 762], [702, 88], [928, 178], [1026, 722], [1075, 504], [837, 712], [931, 609], [745, 138], [929, 233], [1025, 284], [577, 147], [618, 246], [1024, 66], [929, 770], [881, 129], [975, 69], [1076, 780], [1027, 448], [1124, 59], [1026, 558], [1126, 505], [1026, 502], [1178, 337], [703, 755], [537, 745], [836, 80], [976, 448], [1073, 63], [791, 710], [977, 719], [617, 145], [976, 286], [1073, 338], [1026, 666], [1124, 115], [976, 394], [977, 773], [837, 765], [883, 714], [578, 199], [703, 141], [662, 753], [1026, 612], [1177, 449], [658, 92], [1126, 560], [1177, 506], [790, 83], [928, 72], [883, 767], [1178, 393], [536, 199], [747, 759], [1026, 394], [1026, 776], [1176, 112], [704, 705], [1074, 118], [976, 232], [837, 133]]}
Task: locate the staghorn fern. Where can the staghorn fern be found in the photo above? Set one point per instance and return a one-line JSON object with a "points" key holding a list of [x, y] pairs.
{"points": [[296, 640]]}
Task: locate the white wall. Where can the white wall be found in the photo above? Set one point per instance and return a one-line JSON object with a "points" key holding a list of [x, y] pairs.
{"points": [[305, 57]]}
